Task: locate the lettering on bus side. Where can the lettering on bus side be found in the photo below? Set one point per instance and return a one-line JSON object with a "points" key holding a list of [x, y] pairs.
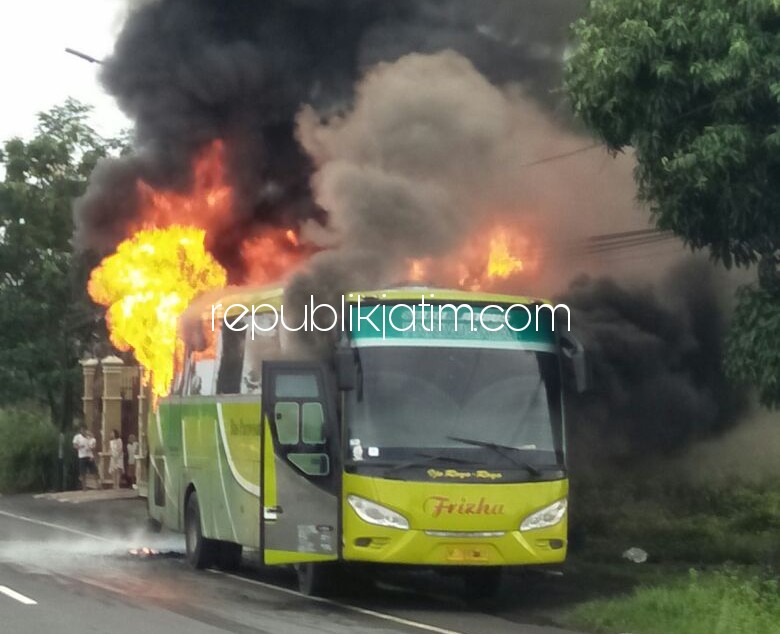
{"points": [[244, 428], [438, 505]]}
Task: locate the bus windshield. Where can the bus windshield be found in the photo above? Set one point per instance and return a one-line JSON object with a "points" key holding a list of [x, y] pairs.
{"points": [[426, 400]]}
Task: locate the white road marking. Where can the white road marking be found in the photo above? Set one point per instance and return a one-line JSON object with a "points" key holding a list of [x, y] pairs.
{"points": [[67, 529], [351, 608], [17, 596]]}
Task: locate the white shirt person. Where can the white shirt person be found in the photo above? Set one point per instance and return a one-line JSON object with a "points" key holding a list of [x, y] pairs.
{"points": [[84, 444]]}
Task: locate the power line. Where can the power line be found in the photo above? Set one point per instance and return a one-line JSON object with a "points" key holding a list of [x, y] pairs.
{"points": [[563, 155], [627, 244], [606, 237], [609, 242]]}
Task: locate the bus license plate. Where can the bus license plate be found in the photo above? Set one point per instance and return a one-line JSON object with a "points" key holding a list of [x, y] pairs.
{"points": [[467, 553]]}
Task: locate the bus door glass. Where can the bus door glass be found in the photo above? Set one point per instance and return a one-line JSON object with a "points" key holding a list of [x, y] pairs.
{"points": [[300, 477]]}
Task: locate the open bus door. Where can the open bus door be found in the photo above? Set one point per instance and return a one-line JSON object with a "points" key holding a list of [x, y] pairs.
{"points": [[299, 467]]}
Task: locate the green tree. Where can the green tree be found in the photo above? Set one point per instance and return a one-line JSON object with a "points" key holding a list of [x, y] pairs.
{"points": [[694, 88], [46, 317]]}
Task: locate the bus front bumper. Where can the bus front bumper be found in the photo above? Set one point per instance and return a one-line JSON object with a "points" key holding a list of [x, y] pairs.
{"points": [[436, 548]]}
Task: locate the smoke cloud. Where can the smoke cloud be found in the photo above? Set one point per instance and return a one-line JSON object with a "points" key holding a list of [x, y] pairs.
{"points": [[748, 452], [656, 355], [430, 152], [192, 71]]}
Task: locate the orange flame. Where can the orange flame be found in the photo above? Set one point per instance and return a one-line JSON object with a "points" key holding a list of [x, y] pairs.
{"points": [[146, 285], [501, 263], [208, 205], [154, 275], [418, 270], [492, 256], [272, 255]]}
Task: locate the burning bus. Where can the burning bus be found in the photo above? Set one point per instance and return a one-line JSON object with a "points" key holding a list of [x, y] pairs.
{"points": [[440, 447]]}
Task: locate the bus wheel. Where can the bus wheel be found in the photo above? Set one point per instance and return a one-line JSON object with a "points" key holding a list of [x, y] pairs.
{"points": [[200, 551], [480, 584], [228, 556], [315, 579]]}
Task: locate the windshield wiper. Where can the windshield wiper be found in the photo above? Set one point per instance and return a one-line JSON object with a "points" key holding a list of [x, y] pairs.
{"points": [[428, 460], [504, 450]]}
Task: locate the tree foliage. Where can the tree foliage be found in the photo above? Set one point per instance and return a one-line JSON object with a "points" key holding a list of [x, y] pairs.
{"points": [[754, 341], [46, 318], [694, 88]]}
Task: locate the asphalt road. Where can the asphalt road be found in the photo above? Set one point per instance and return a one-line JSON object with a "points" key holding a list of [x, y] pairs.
{"points": [[65, 569]]}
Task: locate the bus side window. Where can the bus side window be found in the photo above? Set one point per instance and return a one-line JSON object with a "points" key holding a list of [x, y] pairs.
{"points": [[286, 415], [200, 362], [289, 415], [299, 420], [265, 346], [312, 424], [231, 361], [200, 375]]}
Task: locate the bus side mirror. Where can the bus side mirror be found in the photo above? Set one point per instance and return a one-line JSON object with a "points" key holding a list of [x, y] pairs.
{"points": [[574, 352], [346, 369]]}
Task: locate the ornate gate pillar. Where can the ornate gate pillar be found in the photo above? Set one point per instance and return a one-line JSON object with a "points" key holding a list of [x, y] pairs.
{"points": [[112, 411], [141, 462], [88, 368]]}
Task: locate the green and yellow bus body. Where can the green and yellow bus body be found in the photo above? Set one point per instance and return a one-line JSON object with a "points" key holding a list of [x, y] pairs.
{"points": [[441, 447]]}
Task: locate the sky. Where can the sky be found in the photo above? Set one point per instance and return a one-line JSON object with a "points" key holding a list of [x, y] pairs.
{"points": [[35, 71]]}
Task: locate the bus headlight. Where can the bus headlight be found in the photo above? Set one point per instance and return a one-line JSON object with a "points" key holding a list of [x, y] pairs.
{"points": [[548, 516], [377, 514]]}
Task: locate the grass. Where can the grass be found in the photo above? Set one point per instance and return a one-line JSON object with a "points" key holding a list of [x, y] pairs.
{"points": [[705, 543], [678, 523], [726, 601]]}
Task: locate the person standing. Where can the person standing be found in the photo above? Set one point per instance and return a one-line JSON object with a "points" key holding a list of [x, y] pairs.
{"points": [[132, 450], [84, 444], [116, 463]]}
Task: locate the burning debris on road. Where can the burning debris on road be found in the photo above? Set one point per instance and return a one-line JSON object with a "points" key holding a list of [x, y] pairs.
{"points": [[150, 553]]}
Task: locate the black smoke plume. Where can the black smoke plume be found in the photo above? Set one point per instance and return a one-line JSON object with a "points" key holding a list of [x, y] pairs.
{"points": [[191, 71], [656, 355]]}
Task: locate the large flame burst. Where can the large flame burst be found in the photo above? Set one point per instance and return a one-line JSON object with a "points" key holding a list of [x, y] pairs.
{"points": [[154, 274], [146, 285], [490, 257]]}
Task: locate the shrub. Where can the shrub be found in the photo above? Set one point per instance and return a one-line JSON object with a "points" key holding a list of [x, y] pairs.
{"points": [[28, 449], [676, 521]]}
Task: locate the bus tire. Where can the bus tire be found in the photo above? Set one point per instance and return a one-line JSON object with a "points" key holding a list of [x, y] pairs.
{"points": [[315, 579], [200, 551], [228, 556], [480, 584]]}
